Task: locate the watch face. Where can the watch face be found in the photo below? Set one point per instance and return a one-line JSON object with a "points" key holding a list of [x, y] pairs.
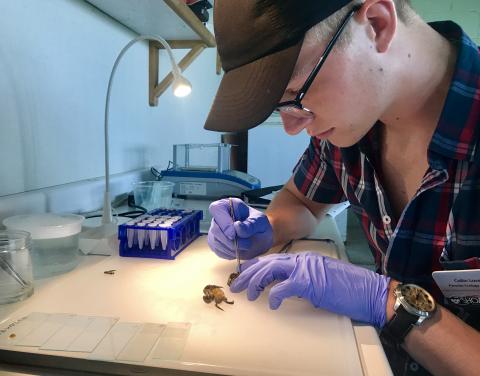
{"points": [[418, 298]]}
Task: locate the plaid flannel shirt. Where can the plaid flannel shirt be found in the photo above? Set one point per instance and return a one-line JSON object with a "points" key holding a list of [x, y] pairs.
{"points": [[440, 227]]}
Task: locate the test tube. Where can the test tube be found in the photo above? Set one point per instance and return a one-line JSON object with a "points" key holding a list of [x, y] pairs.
{"points": [[141, 235], [164, 238], [130, 232], [152, 234], [130, 236]]}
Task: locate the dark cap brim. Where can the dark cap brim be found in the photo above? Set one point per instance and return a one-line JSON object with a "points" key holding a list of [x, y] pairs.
{"points": [[247, 95]]}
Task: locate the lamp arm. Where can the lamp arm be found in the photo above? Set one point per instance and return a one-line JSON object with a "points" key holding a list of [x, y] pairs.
{"points": [[107, 216]]}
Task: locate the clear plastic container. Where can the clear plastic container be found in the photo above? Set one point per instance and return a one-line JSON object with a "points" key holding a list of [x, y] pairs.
{"points": [[15, 266], [55, 241], [202, 157], [153, 194]]}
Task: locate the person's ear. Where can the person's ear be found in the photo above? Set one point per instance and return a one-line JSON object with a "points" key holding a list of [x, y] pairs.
{"points": [[381, 19]]}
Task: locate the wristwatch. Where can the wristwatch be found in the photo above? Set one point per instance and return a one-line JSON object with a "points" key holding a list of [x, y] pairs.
{"points": [[413, 305]]}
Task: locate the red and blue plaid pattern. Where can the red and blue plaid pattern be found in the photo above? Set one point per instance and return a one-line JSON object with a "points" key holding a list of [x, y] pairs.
{"points": [[440, 227]]}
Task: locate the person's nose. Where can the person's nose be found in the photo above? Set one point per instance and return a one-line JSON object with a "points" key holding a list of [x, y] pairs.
{"points": [[294, 125]]}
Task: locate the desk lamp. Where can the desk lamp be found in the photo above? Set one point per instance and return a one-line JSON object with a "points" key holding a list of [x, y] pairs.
{"points": [[101, 239]]}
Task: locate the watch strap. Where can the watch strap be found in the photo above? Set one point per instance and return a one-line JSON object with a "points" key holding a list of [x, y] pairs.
{"points": [[398, 327]]}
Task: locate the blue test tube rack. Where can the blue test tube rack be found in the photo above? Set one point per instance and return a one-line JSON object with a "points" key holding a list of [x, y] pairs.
{"points": [[160, 233]]}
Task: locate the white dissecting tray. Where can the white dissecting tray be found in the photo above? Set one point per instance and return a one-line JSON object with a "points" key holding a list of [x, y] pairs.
{"points": [[245, 339]]}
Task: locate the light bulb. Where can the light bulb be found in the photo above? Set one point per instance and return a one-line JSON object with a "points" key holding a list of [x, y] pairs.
{"points": [[181, 87]]}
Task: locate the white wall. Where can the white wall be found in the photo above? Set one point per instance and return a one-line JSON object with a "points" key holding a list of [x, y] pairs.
{"points": [[55, 61], [272, 153]]}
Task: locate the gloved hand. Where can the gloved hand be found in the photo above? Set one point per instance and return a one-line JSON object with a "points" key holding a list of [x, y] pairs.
{"points": [[251, 227], [327, 283]]}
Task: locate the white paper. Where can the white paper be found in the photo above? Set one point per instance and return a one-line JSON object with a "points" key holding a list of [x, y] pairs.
{"points": [[461, 287]]}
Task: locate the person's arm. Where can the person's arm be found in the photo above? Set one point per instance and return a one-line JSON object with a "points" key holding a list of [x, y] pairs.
{"points": [[444, 344], [292, 215]]}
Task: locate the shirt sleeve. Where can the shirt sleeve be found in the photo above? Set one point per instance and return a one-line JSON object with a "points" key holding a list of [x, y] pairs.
{"points": [[314, 174]]}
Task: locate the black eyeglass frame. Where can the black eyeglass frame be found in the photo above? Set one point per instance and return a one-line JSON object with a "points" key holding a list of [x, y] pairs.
{"points": [[297, 102]]}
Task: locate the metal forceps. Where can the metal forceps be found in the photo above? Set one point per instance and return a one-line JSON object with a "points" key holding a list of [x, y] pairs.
{"points": [[235, 240], [5, 265], [286, 247]]}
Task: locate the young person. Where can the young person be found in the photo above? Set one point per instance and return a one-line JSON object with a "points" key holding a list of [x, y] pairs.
{"points": [[392, 105]]}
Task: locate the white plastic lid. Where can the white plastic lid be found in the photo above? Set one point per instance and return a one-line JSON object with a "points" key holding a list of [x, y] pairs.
{"points": [[47, 225]]}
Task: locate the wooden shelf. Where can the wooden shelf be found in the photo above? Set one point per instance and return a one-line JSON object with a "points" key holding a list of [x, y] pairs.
{"points": [[169, 19]]}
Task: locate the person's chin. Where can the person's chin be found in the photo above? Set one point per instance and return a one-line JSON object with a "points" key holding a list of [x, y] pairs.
{"points": [[341, 142], [325, 134]]}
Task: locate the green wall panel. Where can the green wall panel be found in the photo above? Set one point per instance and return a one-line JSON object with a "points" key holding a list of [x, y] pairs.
{"points": [[464, 12]]}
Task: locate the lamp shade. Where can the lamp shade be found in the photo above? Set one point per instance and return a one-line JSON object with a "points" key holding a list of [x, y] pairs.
{"points": [[181, 87]]}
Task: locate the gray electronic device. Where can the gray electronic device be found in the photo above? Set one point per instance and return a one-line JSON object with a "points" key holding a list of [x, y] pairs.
{"points": [[203, 171]]}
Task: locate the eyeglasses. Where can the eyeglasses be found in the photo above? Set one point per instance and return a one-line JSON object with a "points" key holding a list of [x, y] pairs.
{"points": [[295, 107]]}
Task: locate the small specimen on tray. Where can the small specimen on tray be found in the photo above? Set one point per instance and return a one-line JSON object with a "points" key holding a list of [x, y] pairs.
{"points": [[109, 271], [12, 336], [215, 293]]}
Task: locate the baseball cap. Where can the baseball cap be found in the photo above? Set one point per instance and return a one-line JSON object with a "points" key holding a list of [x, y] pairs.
{"points": [[259, 42]]}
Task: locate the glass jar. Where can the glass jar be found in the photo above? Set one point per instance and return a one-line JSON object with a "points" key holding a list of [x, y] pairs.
{"points": [[16, 279]]}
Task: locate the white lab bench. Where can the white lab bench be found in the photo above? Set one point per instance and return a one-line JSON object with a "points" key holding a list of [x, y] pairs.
{"points": [[247, 338]]}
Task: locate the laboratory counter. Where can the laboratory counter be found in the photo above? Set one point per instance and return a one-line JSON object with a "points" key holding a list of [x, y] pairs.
{"points": [[148, 316]]}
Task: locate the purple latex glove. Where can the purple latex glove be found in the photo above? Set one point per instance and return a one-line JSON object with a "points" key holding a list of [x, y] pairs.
{"points": [[252, 229], [327, 283]]}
